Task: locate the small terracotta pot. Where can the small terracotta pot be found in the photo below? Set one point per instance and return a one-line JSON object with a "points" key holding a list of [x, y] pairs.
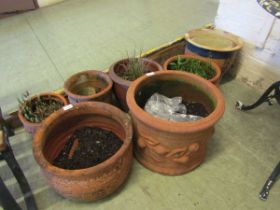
{"points": [[215, 80], [169, 147], [32, 127], [91, 183], [121, 85], [82, 86]]}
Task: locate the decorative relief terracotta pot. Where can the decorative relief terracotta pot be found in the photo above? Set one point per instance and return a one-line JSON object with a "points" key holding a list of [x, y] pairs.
{"points": [[215, 80], [91, 183], [89, 85], [121, 85], [32, 127], [170, 147]]}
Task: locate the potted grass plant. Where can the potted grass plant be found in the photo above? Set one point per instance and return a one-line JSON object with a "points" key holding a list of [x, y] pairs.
{"points": [[33, 110], [193, 64], [125, 71]]}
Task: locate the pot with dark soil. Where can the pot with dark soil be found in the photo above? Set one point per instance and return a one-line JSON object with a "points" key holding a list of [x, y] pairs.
{"points": [[164, 144], [196, 65], [33, 110], [85, 152], [127, 70], [89, 86]]}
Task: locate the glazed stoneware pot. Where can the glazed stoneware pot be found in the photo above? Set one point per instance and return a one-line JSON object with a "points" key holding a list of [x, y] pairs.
{"points": [[32, 127], [215, 80], [91, 183], [121, 85], [221, 46], [169, 147], [89, 85]]}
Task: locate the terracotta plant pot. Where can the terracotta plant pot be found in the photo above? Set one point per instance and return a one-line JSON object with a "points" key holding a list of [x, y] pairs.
{"points": [[89, 86], [121, 85], [91, 183], [170, 147], [215, 80], [32, 127]]}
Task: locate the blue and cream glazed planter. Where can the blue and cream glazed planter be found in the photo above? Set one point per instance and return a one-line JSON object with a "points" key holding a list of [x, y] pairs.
{"points": [[220, 46]]}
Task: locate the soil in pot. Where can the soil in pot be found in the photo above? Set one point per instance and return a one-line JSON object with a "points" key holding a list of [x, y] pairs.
{"points": [[194, 108], [194, 66], [37, 109], [87, 147]]}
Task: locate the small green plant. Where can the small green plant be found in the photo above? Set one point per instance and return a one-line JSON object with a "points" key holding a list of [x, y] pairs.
{"points": [[192, 65], [134, 68], [37, 109]]}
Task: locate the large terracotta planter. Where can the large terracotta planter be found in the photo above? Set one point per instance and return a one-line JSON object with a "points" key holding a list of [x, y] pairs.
{"points": [[94, 182], [121, 85], [168, 147], [32, 127], [83, 85], [215, 80]]}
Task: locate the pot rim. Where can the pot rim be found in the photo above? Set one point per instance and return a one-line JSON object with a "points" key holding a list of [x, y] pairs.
{"points": [[235, 39], [180, 127], [69, 82], [119, 80], [38, 140], [55, 95], [188, 55]]}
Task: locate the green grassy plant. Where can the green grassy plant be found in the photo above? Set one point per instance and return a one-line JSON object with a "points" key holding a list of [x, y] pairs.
{"points": [[133, 68], [192, 65]]}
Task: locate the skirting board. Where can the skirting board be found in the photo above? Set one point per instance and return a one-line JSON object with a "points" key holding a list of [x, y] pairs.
{"points": [[254, 72], [44, 3]]}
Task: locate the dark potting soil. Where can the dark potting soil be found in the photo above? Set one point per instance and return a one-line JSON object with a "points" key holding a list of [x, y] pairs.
{"points": [[87, 147], [197, 109]]}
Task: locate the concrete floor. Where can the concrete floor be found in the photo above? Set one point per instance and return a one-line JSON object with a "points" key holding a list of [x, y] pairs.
{"points": [[40, 49]]}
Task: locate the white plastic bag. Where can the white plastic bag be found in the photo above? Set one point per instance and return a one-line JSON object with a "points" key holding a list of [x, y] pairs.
{"points": [[168, 108]]}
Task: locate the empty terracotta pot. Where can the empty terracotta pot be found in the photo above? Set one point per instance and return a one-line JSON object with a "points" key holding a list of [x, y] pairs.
{"points": [[170, 147], [32, 127], [121, 85], [91, 183], [89, 85], [215, 80]]}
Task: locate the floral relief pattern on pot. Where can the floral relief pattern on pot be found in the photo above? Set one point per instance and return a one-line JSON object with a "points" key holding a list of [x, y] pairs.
{"points": [[160, 153]]}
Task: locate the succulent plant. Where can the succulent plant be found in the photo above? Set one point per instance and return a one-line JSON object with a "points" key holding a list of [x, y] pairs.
{"points": [[37, 108]]}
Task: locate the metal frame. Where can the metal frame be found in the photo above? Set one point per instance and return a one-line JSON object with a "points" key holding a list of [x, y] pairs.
{"points": [[273, 92], [6, 199]]}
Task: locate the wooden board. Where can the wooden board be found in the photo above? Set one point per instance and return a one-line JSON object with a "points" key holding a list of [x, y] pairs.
{"points": [[9, 6], [2, 142]]}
